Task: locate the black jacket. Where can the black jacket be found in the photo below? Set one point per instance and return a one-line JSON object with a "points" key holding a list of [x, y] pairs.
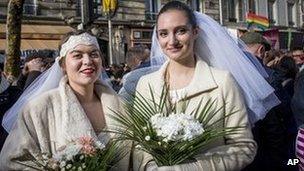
{"points": [[7, 99], [297, 102]]}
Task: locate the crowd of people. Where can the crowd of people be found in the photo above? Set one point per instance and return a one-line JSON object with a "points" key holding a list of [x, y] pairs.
{"points": [[33, 66], [57, 100]]}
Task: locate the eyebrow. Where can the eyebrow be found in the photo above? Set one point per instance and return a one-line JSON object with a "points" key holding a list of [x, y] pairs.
{"points": [[178, 27], [78, 51]]}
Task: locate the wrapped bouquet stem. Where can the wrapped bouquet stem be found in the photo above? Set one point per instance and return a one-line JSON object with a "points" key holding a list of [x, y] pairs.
{"points": [[172, 137]]}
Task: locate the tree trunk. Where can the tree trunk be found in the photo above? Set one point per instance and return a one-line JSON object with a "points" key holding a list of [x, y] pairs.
{"points": [[13, 38]]}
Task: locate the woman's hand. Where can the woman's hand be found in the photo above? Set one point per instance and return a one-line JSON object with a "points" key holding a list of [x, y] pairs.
{"points": [[192, 166], [152, 166]]}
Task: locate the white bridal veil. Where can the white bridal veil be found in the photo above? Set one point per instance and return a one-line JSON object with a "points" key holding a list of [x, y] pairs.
{"points": [[216, 47], [48, 80]]}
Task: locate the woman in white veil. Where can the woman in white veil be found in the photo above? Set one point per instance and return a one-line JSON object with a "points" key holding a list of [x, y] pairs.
{"points": [[46, 81], [69, 101], [216, 47], [199, 61]]}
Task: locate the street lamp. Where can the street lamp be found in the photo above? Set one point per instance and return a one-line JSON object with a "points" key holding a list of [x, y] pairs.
{"points": [[109, 9]]}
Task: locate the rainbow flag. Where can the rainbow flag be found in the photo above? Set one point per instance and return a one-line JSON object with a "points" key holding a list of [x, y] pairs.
{"points": [[261, 21]]}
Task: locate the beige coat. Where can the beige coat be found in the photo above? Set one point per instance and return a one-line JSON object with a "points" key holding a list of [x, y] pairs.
{"points": [[53, 119], [232, 152]]}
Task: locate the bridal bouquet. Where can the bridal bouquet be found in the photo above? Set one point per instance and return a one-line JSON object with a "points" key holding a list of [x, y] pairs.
{"points": [[171, 137], [84, 153]]}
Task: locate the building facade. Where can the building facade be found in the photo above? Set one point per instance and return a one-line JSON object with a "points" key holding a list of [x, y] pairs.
{"points": [[46, 21], [285, 17]]}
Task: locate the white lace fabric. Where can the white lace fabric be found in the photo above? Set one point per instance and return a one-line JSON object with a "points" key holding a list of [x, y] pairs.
{"points": [[73, 41], [177, 95]]}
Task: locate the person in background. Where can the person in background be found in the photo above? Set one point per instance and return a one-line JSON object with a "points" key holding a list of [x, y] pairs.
{"points": [[34, 65], [297, 106], [9, 94], [126, 69], [4, 84], [286, 71], [272, 58], [116, 74], [271, 132], [138, 59], [298, 56], [137, 56], [297, 103], [257, 45]]}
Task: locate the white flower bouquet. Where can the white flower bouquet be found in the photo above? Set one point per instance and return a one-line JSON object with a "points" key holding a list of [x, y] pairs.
{"points": [[176, 127], [171, 138], [84, 153]]}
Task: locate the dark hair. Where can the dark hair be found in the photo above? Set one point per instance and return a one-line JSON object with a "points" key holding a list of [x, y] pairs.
{"points": [[136, 52], [1, 67], [34, 55], [271, 55], [177, 5], [288, 66], [297, 48]]}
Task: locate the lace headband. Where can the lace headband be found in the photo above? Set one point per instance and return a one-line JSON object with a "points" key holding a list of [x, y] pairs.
{"points": [[84, 39]]}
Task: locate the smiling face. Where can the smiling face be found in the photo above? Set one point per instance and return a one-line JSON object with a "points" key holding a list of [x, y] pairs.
{"points": [[176, 35], [83, 65]]}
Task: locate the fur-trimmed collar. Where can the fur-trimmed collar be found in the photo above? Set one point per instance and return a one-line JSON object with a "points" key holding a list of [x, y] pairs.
{"points": [[75, 122]]}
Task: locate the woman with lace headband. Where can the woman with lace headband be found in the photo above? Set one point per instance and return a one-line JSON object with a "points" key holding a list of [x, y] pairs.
{"points": [[200, 61], [68, 101]]}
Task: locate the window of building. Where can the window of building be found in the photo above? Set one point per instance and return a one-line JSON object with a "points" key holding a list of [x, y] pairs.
{"points": [[301, 13], [251, 6], [95, 8], [270, 7], [290, 16], [195, 5], [297, 13], [147, 34], [78, 8], [30, 7], [141, 36], [229, 10], [152, 7], [240, 10]]}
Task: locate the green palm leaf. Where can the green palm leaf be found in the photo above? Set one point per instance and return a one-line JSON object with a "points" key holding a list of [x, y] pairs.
{"points": [[134, 124]]}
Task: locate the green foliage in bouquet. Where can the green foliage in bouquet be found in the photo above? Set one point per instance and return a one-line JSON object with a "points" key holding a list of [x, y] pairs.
{"points": [[101, 159], [135, 124], [106, 158]]}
